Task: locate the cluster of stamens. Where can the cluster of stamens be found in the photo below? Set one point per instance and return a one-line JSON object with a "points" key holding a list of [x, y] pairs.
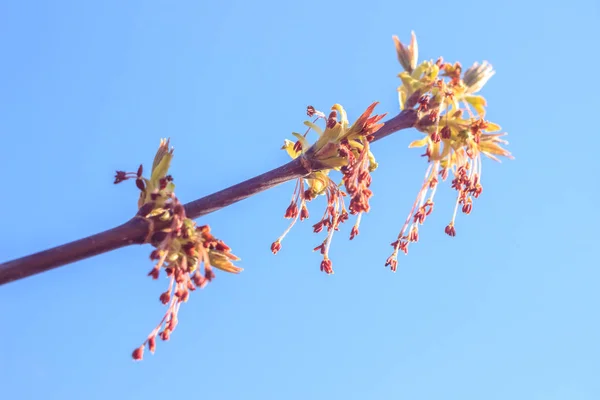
{"points": [[453, 144], [187, 253], [349, 153]]}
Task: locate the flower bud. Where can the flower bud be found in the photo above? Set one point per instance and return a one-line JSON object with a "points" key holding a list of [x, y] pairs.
{"points": [[138, 353], [407, 55], [477, 76]]}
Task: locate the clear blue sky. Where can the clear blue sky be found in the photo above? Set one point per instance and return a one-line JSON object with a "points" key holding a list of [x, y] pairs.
{"points": [[508, 309]]}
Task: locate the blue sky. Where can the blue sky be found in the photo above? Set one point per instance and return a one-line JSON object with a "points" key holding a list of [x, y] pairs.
{"points": [[506, 309]]}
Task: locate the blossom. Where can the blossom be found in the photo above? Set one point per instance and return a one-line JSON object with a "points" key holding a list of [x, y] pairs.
{"points": [[456, 136], [340, 147], [185, 252]]}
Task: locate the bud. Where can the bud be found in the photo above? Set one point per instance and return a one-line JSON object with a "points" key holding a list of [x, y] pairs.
{"points": [[392, 262], [165, 335], [138, 353], [326, 266], [477, 76], [120, 176], [152, 344], [209, 274], [165, 297], [407, 55], [154, 273], [303, 212], [275, 246], [450, 230]]}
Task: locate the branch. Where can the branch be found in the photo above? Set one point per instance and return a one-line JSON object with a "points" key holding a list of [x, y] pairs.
{"points": [[137, 229]]}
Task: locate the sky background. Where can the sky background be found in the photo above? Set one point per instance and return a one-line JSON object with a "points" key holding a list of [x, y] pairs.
{"points": [[508, 309]]}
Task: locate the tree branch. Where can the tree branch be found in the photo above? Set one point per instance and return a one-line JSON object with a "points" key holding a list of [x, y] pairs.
{"points": [[137, 229]]}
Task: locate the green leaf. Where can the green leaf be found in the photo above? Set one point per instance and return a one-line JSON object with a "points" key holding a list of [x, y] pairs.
{"points": [[314, 127], [162, 168], [478, 103], [303, 141], [419, 143]]}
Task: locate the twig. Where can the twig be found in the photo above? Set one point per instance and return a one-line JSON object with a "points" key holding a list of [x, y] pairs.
{"points": [[136, 230]]}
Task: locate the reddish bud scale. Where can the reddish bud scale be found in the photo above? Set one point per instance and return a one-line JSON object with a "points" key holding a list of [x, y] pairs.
{"points": [[326, 266], [353, 232], [221, 246], [309, 195], [429, 206], [444, 173], [303, 213], [154, 273], [427, 152], [467, 207], [343, 216], [188, 248], [433, 182], [209, 274], [413, 236], [165, 297], [199, 280], [172, 324], [318, 227], [165, 335], [120, 176], [291, 211], [446, 132], [423, 103], [138, 353], [140, 184], [403, 246], [178, 275], [152, 344], [298, 147], [419, 216], [450, 230], [186, 296], [162, 183], [392, 262], [321, 248], [275, 246]]}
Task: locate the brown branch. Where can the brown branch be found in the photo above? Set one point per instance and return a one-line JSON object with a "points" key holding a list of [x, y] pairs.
{"points": [[136, 230]]}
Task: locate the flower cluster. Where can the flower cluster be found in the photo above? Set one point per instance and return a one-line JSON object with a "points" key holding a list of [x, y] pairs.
{"points": [[187, 253], [341, 147], [452, 118]]}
